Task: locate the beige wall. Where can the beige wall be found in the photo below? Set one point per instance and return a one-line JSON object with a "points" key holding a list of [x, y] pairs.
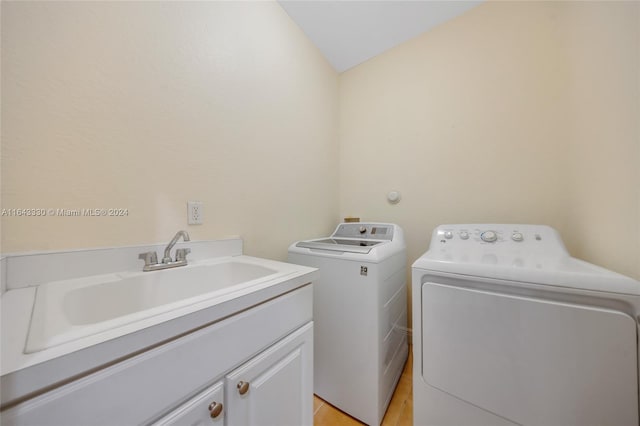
{"points": [[602, 45], [146, 105], [515, 112]]}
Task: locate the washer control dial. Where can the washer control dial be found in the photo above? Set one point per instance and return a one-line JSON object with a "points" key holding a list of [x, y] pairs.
{"points": [[448, 235], [489, 236], [362, 229], [517, 236], [464, 235]]}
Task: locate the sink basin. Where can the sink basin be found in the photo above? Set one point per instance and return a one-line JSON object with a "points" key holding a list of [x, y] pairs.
{"points": [[72, 309], [101, 302]]}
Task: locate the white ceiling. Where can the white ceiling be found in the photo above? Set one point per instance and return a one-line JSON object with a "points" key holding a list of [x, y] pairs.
{"points": [[348, 32]]}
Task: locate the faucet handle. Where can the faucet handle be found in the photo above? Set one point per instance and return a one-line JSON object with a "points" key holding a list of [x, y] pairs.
{"points": [[181, 254], [150, 258]]}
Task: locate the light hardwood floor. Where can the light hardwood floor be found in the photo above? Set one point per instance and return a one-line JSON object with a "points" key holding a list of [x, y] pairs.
{"points": [[399, 413]]}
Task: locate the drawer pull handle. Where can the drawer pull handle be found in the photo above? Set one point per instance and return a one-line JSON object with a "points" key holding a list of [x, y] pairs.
{"points": [[215, 409], [243, 387]]}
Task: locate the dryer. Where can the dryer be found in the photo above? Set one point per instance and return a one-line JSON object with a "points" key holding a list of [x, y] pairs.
{"points": [[510, 329], [360, 315]]}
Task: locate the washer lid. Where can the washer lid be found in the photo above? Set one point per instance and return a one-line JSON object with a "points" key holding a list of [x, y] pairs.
{"points": [[340, 244]]}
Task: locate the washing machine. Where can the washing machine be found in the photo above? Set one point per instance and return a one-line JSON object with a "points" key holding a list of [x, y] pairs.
{"points": [[360, 315], [509, 329]]}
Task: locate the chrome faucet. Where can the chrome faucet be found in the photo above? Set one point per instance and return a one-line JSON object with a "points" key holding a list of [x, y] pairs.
{"points": [[167, 251], [151, 258]]}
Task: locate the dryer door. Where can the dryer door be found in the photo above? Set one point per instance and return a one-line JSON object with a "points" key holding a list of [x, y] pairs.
{"points": [[531, 361]]}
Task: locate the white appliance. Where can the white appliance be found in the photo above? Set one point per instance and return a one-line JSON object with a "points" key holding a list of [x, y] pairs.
{"points": [[360, 315], [510, 329]]}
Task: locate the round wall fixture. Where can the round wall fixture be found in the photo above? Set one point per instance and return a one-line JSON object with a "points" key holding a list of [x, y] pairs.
{"points": [[393, 197]]}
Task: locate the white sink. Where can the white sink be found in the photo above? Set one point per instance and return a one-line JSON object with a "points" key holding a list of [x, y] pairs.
{"points": [[72, 309], [141, 291]]}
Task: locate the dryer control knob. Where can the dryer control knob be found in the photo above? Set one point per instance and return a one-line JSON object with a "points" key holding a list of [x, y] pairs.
{"points": [[489, 236], [464, 235], [448, 235], [517, 236], [362, 229]]}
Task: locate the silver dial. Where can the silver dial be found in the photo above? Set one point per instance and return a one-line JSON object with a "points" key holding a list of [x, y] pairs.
{"points": [[489, 236], [362, 229], [448, 235], [464, 235], [517, 236]]}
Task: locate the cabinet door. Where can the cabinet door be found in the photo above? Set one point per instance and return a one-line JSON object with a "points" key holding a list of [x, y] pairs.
{"points": [[203, 410], [275, 387]]}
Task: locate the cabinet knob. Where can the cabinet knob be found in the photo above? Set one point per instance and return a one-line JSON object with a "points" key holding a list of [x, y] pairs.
{"points": [[243, 387], [215, 408]]}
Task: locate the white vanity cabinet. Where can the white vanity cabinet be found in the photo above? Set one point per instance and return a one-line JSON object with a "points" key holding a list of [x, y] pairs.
{"points": [[273, 388], [268, 346]]}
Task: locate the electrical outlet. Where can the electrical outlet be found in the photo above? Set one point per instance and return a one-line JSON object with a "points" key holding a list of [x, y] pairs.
{"points": [[194, 212]]}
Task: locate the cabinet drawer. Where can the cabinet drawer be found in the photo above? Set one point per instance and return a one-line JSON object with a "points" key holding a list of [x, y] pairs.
{"points": [[144, 387], [206, 409]]}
